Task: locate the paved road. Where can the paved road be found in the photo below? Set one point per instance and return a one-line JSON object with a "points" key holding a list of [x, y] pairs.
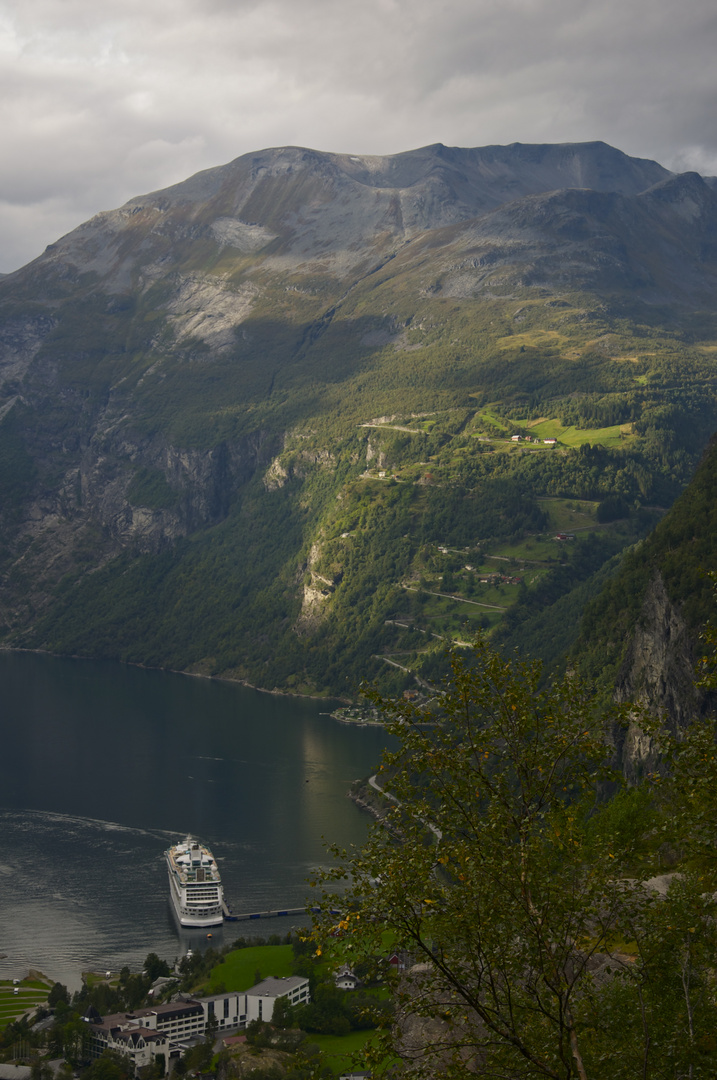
{"points": [[377, 787], [458, 599]]}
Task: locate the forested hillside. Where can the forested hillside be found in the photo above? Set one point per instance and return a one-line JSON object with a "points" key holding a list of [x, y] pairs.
{"points": [[645, 636], [304, 418]]}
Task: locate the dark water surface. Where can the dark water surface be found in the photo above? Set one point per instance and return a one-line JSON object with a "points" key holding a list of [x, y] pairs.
{"points": [[102, 766]]}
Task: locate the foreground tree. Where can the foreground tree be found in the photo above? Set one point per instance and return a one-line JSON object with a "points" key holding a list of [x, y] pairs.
{"points": [[511, 885]]}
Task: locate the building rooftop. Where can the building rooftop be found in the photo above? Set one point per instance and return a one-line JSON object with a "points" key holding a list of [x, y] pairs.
{"points": [[172, 1008], [133, 1019], [14, 1072], [276, 987]]}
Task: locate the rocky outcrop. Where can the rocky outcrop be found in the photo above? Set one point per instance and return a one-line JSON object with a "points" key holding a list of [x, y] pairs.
{"points": [[277, 475], [96, 510], [209, 311], [203, 481], [658, 675], [317, 592], [20, 341]]}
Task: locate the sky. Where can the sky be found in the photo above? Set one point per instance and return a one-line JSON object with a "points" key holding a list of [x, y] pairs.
{"points": [[102, 102]]}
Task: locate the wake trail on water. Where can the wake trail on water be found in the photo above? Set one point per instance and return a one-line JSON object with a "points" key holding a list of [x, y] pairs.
{"points": [[54, 817]]}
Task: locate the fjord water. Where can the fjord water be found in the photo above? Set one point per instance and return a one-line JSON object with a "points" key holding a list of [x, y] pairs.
{"points": [[102, 766]]}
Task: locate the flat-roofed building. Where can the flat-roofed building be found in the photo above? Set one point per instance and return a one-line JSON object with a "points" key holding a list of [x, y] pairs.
{"points": [[260, 1000], [167, 1029]]}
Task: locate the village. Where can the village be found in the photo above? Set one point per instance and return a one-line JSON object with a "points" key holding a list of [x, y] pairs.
{"points": [[174, 1025]]}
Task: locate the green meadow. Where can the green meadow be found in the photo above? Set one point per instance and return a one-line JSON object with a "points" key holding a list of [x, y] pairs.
{"points": [[238, 969], [31, 994]]}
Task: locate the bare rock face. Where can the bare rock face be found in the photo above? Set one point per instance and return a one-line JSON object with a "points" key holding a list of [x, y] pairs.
{"points": [[203, 483], [658, 673], [95, 513], [20, 340], [317, 590], [209, 311]]}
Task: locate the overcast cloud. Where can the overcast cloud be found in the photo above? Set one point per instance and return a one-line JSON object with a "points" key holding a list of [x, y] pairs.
{"points": [[100, 103]]}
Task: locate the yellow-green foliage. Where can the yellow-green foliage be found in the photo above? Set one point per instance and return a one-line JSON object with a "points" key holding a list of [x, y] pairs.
{"points": [[540, 338]]}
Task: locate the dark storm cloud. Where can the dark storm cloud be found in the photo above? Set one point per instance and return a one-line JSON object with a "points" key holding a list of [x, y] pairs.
{"points": [[101, 103]]}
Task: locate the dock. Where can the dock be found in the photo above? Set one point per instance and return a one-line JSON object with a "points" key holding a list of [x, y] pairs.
{"points": [[229, 915]]}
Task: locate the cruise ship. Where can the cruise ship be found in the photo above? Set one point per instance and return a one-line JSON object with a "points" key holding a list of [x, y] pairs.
{"points": [[194, 884]]}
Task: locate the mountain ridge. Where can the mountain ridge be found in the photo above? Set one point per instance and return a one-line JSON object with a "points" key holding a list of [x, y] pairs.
{"points": [[205, 393], [239, 187]]}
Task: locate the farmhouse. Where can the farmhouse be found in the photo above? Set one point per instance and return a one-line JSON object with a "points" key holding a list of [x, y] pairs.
{"points": [[345, 978]]}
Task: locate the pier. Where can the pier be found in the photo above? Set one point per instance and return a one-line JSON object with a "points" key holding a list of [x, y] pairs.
{"points": [[229, 915]]}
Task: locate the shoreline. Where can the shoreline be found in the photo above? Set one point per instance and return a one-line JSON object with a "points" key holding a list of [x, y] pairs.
{"points": [[363, 805], [174, 671]]}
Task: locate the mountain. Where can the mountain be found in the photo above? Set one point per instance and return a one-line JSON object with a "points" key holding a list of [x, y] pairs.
{"points": [[335, 210], [285, 421]]}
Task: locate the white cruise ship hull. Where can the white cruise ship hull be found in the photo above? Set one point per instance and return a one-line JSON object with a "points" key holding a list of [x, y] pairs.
{"points": [[192, 918], [194, 885]]}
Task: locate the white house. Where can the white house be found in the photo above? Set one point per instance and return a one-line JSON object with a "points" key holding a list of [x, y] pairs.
{"points": [[345, 979]]}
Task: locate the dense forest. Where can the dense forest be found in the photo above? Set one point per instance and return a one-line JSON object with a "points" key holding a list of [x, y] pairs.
{"points": [[451, 489]]}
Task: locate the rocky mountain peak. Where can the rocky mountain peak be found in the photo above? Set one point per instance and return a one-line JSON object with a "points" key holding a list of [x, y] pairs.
{"points": [[347, 208]]}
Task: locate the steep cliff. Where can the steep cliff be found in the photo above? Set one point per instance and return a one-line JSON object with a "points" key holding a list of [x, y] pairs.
{"points": [[642, 634], [658, 674]]}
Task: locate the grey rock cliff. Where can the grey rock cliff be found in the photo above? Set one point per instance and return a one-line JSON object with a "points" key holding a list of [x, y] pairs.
{"points": [[205, 481], [657, 674]]}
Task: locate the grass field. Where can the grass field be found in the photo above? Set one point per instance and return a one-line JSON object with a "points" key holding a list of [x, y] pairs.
{"points": [[449, 608], [31, 993], [238, 968], [493, 420], [456, 618], [616, 435], [551, 428], [568, 514], [94, 978], [338, 1050], [539, 549]]}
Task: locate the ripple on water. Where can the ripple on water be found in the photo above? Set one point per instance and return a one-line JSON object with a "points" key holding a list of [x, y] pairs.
{"points": [[92, 790]]}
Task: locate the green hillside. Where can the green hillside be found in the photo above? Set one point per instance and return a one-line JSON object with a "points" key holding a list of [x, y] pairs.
{"points": [[682, 550], [287, 422]]}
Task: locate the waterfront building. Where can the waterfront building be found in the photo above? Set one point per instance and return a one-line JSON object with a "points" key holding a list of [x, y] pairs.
{"points": [[168, 1029]]}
